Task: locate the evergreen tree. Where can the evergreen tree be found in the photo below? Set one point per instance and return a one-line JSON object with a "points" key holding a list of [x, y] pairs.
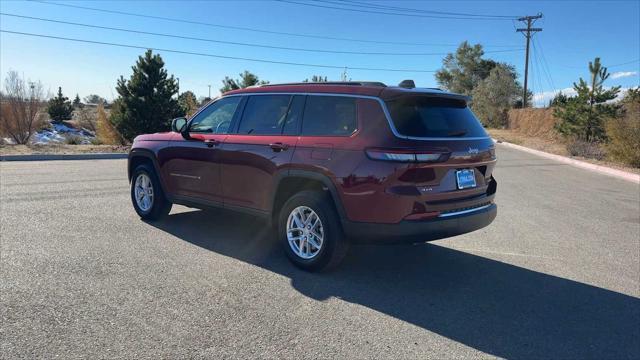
{"points": [[146, 102], [59, 107], [188, 103], [76, 102], [247, 79], [316, 79], [584, 115], [559, 99]]}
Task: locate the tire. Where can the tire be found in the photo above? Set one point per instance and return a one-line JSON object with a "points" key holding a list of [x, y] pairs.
{"points": [[158, 206], [334, 245]]}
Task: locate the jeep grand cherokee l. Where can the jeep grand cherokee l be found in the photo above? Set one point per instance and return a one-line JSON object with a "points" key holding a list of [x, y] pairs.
{"points": [[326, 164]]}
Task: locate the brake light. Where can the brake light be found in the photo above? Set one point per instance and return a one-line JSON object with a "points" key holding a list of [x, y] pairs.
{"points": [[403, 155]]}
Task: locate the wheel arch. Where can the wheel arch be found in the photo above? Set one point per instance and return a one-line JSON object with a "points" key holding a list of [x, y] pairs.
{"points": [[144, 156], [294, 181]]}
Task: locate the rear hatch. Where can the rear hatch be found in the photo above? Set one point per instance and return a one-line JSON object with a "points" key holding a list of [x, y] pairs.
{"points": [[449, 157]]}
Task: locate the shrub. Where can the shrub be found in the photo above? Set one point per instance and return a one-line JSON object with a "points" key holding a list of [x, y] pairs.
{"points": [[73, 140], [106, 133], [624, 132], [586, 149]]}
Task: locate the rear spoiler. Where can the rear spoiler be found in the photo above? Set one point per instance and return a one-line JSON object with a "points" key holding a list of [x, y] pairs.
{"points": [[393, 93]]}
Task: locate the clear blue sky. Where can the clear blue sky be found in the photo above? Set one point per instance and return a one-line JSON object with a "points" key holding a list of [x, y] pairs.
{"points": [[574, 33]]}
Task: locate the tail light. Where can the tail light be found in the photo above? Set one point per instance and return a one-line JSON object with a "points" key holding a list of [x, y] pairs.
{"points": [[401, 155]]}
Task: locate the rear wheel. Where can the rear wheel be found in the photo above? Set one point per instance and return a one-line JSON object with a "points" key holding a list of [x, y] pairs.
{"points": [[310, 232], [146, 194]]}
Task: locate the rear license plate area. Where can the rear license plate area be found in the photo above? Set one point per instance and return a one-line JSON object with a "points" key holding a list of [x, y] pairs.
{"points": [[466, 178]]}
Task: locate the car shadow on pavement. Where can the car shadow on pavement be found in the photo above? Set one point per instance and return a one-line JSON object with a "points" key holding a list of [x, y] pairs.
{"points": [[498, 308]]}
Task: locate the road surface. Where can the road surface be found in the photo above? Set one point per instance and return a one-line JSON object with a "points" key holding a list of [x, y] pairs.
{"points": [[556, 275]]}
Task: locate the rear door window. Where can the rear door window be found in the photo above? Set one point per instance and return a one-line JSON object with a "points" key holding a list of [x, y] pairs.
{"points": [[426, 116], [294, 116], [329, 116], [264, 115]]}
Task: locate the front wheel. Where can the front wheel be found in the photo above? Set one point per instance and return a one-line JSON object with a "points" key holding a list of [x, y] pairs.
{"points": [[146, 194], [310, 232]]}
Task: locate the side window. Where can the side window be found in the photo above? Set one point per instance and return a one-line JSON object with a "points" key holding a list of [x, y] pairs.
{"points": [[294, 116], [329, 116], [217, 117], [264, 115]]}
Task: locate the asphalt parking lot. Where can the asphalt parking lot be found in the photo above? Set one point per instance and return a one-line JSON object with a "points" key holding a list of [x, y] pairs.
{"points": [[557, 275]]}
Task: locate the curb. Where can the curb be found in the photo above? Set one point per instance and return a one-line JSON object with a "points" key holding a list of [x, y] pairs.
{"points": [[625, 175], [47, 157]]}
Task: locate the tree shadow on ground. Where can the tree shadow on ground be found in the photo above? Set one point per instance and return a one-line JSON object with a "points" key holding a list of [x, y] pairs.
{"points": [[494, 307]]}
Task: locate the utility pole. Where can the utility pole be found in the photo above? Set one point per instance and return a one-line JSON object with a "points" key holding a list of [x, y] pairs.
{"points": [[528, 33], [209, 91]]}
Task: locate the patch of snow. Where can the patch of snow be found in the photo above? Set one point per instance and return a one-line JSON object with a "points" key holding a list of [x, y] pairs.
{"points": [[59, 133]]}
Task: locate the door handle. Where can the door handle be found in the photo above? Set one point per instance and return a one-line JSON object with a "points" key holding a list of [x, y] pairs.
{"points": [[277, 147], [211, 143]]}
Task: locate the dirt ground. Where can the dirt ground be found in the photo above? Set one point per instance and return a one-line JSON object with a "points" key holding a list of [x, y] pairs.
{"points": [[557, 147], [60, 149]]}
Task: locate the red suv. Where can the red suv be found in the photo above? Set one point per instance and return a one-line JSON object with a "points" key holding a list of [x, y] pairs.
{"points": [[326, 164]]}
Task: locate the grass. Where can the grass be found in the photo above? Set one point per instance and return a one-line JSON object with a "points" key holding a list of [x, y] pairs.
{"points": [[558, 147]]}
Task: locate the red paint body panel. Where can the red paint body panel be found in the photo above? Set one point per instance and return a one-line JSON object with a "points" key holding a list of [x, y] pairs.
{"points": [[243, 171], [249, 165]]}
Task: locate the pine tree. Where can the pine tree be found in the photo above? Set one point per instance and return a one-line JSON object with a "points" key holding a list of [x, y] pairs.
{"points": [[316, 79], [76, 102], [584, 115], [59, 107], [146, 103], [247, 79]]}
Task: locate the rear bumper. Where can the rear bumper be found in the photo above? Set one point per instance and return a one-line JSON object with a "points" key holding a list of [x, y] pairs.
{"points": [[420, 231]]}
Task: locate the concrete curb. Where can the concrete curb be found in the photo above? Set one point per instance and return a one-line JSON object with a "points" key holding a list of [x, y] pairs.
{"points": [[46, 157], [625, 175]]}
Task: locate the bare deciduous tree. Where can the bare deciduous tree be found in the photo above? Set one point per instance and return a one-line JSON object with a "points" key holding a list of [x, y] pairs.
{"points": [[20, 108]]}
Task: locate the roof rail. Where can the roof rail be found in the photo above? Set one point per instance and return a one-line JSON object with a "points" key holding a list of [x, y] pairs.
{"points": [[348, 83]]}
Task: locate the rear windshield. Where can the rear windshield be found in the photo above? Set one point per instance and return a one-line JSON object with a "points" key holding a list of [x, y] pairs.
{"points": [[421, 116]]}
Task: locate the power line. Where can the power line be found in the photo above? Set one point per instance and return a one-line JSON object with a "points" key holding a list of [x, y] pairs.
{"points": [[391, 13], [396, 8], [263, 31], [624, 63], [537, 72], [544, 63], [215, 55], [233, 42]]}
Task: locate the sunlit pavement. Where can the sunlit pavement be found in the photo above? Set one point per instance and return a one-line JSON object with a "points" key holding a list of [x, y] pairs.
{"points": [[556, 275]]}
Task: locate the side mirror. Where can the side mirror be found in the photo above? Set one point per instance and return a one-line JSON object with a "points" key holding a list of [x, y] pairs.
{"points": [[178, 124]]}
